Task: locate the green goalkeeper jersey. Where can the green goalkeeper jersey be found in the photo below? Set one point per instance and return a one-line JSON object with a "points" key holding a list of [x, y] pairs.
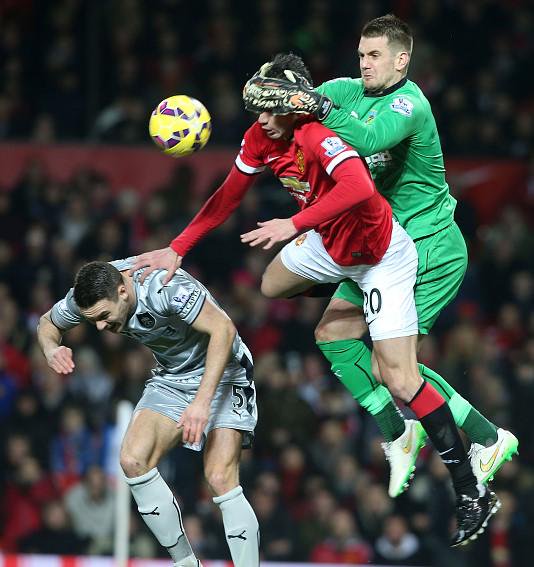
{"points": [[396, 133]]}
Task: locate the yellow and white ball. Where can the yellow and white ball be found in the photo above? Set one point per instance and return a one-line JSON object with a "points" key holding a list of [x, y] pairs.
{"points": [[180, 125]]}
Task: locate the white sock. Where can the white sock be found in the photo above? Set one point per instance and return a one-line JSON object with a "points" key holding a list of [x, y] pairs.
{"points": [[161, 513], [241, 528]]}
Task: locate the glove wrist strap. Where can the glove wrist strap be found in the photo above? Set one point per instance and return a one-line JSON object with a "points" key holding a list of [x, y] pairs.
{"points": [[325, 106]]}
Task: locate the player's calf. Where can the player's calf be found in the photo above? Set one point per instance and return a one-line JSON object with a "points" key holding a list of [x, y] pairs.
{"points": [[397, 366]]}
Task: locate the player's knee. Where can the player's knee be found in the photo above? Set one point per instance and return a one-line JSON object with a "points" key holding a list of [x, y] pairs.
{"points": [[336, 327], [221, 479], [400, 383], [328, 331], [132, 465]]}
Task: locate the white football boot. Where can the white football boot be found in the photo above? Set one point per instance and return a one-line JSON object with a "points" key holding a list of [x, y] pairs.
{"points": [[486, 461], [402, 454]]}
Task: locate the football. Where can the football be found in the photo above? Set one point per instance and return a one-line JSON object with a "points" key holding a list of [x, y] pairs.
{"points": [[180, 125]]}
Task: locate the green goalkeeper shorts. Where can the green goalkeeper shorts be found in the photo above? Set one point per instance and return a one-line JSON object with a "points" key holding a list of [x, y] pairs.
{"points": [[441, 270]]}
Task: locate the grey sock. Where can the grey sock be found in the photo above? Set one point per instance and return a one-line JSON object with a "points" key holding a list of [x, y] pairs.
{"points": [[241, 528], [161, 513]]}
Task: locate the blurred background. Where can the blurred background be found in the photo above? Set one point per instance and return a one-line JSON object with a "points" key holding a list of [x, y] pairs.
{"points": [[80, 180]]}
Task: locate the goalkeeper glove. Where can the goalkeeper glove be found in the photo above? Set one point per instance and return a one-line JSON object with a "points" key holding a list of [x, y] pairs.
{"points": [[281, 96]]}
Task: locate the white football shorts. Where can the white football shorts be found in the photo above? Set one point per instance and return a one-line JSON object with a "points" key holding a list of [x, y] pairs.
{"points": [[389, 305]]}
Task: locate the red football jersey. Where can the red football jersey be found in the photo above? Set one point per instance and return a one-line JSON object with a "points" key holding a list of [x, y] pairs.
{"points": [[306, 167]]}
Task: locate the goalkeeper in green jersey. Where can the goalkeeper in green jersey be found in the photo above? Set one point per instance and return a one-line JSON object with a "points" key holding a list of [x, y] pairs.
{"points": [[388, 120]]}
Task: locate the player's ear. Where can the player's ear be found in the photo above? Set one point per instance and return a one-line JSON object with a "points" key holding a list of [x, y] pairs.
{"points": [[402, 61], [122, 291]]}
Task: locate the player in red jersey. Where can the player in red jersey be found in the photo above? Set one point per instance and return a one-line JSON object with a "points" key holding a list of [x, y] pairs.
{"points": [[353, 236]]}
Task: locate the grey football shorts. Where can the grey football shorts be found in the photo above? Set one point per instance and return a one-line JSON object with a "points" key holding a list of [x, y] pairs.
{"points": [[233, 407]]}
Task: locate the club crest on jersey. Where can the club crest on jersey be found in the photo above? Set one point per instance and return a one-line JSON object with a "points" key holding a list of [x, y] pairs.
{"points": [[402, 106], [146, 320], [371, 116], [300, 240], [333, 146], [299, 158]]}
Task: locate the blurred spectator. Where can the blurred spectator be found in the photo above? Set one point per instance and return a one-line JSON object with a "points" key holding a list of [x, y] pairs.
{"points": [[397, 545], [55, 536], [277, 533], [26, 492], [344, 544], [74, 448], [315, 523], [90, 505]]}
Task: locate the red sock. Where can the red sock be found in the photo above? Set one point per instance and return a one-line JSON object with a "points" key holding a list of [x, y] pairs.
{"points": [[426, 400]]}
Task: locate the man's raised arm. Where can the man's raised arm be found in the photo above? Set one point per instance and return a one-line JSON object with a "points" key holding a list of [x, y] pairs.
{"points": [[58, 357]]}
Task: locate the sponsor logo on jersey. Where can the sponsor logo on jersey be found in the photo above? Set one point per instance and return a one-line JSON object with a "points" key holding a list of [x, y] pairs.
{"points": [[299, 158], [180, 300], [185, 300], [295, 185], [333, 146], [402, 106], [371, 116], [379, 159], [300, 240]]}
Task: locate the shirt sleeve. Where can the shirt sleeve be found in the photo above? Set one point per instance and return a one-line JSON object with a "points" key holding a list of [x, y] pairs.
{"points": [[353, 186], [338, 90], [65, 314], [182, 296], [400, 119], [250, 159], [214, 212]]}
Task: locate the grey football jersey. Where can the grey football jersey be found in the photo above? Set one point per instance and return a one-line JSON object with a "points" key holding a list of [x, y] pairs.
{"points": [[162, 321]]}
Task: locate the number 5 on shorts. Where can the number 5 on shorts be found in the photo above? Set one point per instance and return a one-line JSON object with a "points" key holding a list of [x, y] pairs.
{"points": [[238, 397]]}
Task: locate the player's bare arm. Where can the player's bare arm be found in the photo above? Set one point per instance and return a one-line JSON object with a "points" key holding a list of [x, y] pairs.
{"points": [[162, 259], [58, 357], [214, 322]]}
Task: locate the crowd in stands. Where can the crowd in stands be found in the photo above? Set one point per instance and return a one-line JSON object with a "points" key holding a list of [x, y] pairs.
{"points": [[94, 70], [316, 477]]}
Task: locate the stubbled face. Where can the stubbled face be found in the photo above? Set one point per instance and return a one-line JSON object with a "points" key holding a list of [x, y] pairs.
{"points": [[109, 315], [381, 66], [277, 126]]}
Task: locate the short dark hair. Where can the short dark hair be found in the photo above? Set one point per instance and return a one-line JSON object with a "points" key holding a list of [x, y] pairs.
{"points": [[95, 281], [396, 30], [287, 62]]}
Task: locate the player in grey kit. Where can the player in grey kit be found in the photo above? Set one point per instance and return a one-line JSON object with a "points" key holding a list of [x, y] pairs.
{"points": [[201, 392]]}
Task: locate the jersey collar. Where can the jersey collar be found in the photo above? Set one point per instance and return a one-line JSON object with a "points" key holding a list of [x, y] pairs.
{"points": [[387, 91]]}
